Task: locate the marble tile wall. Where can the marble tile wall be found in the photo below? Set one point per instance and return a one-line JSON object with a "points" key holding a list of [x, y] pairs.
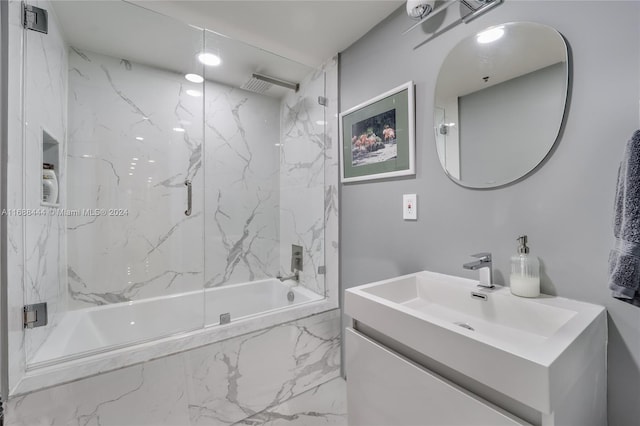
{"points": [[302, 179], [331, 179], [218, 384], [137, 252], [125, 154], [242, 185], [324, 405]]}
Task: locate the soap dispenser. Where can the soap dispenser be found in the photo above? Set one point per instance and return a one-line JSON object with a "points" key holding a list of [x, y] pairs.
{"points": [[525, 271]]}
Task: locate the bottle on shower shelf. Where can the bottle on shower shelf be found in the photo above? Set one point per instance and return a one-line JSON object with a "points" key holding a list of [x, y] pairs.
{"points": [[49, 184]]}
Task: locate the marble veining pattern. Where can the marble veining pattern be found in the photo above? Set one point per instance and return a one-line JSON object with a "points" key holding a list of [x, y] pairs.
{"points": [[241, 133], [331, 173], [219, 384], [254, 376], [125, 154], [179, 389], [150, 394], [302, 177], [324, 405], [242, 186]]}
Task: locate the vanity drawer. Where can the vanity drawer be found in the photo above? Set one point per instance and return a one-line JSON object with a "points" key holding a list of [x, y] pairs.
{"points": [[384, 388]]}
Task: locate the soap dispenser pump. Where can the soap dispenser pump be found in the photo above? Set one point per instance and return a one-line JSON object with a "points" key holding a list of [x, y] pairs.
{"points": [[525, 271]]}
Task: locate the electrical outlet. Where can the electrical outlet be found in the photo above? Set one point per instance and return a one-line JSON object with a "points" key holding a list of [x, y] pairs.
{"points": [[410, 207]]}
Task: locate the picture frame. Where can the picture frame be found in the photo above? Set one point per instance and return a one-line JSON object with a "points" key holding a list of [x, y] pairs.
{"points": [[377, 137]]}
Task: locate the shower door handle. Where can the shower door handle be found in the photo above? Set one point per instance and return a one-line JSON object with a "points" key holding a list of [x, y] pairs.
{"points": [[187, 183]]}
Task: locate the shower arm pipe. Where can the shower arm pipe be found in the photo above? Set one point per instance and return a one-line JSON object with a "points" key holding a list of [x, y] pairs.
{"points": [[282, 83], [487, 6]]}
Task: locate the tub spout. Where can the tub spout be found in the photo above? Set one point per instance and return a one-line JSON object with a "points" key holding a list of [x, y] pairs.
{"points": [[295, 277]]}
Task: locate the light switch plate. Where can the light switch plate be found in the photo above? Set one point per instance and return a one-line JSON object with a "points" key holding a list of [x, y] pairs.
{"points": [[410, 207]]}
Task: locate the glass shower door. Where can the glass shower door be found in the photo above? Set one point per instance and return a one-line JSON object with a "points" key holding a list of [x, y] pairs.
{"points": [[265, 156], [118, 253]]}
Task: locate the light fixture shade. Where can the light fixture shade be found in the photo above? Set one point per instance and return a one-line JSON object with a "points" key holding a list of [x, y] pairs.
{"points": [[194, 78], [418, 9], [209, 59]]}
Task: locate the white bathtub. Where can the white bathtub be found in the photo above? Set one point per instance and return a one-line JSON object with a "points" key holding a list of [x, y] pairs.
{"points": [[97, 329]]}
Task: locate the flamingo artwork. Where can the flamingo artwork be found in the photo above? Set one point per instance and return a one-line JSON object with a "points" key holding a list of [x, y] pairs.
{"points": [[388, 133]]}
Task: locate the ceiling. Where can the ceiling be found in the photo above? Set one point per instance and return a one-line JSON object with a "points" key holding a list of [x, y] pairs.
{"points": [[282, 39], [306, 31]]}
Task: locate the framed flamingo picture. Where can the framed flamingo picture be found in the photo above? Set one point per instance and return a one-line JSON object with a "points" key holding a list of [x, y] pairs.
{"points": [[377, 137]]}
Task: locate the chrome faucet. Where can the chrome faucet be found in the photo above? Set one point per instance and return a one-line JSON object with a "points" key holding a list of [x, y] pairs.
{"points": [[295, 276], [484, 266], [296, 264]]}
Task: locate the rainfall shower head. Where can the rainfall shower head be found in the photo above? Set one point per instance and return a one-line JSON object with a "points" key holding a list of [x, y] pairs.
{"points": [[255, 85], [272, 80]]}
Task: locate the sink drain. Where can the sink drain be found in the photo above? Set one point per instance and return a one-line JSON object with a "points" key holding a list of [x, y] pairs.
{"points": [[464, 325]]}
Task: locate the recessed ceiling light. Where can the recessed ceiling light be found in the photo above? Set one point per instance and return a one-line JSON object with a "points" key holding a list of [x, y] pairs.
{"points": [[194, 93], [139, 138], [178, 129], [132, 168], [152, 161], [209, 59], [134, 158], [490, 35], [194, 78]]}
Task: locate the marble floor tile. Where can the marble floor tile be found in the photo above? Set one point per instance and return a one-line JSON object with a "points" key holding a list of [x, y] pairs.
{"points": [[323, 405]]}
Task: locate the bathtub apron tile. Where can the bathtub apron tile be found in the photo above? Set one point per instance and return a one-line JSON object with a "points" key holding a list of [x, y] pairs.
{"points": [[153, 393], [242, 376]]}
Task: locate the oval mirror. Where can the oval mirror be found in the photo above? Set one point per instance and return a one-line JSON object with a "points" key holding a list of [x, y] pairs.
{"points": [[499, 103]]}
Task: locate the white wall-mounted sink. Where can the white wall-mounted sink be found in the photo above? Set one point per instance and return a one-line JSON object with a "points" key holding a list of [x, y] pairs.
{"points": [[532, 350]]}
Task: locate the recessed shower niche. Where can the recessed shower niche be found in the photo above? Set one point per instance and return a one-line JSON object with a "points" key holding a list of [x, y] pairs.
{"points": [[49, 193]]}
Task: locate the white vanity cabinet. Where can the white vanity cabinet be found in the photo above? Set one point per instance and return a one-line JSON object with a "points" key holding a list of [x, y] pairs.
{"points": [[385, 388]]}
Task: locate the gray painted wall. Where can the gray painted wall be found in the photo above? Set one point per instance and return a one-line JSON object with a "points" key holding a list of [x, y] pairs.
{"points": [[565, 206], [506, 129]]}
